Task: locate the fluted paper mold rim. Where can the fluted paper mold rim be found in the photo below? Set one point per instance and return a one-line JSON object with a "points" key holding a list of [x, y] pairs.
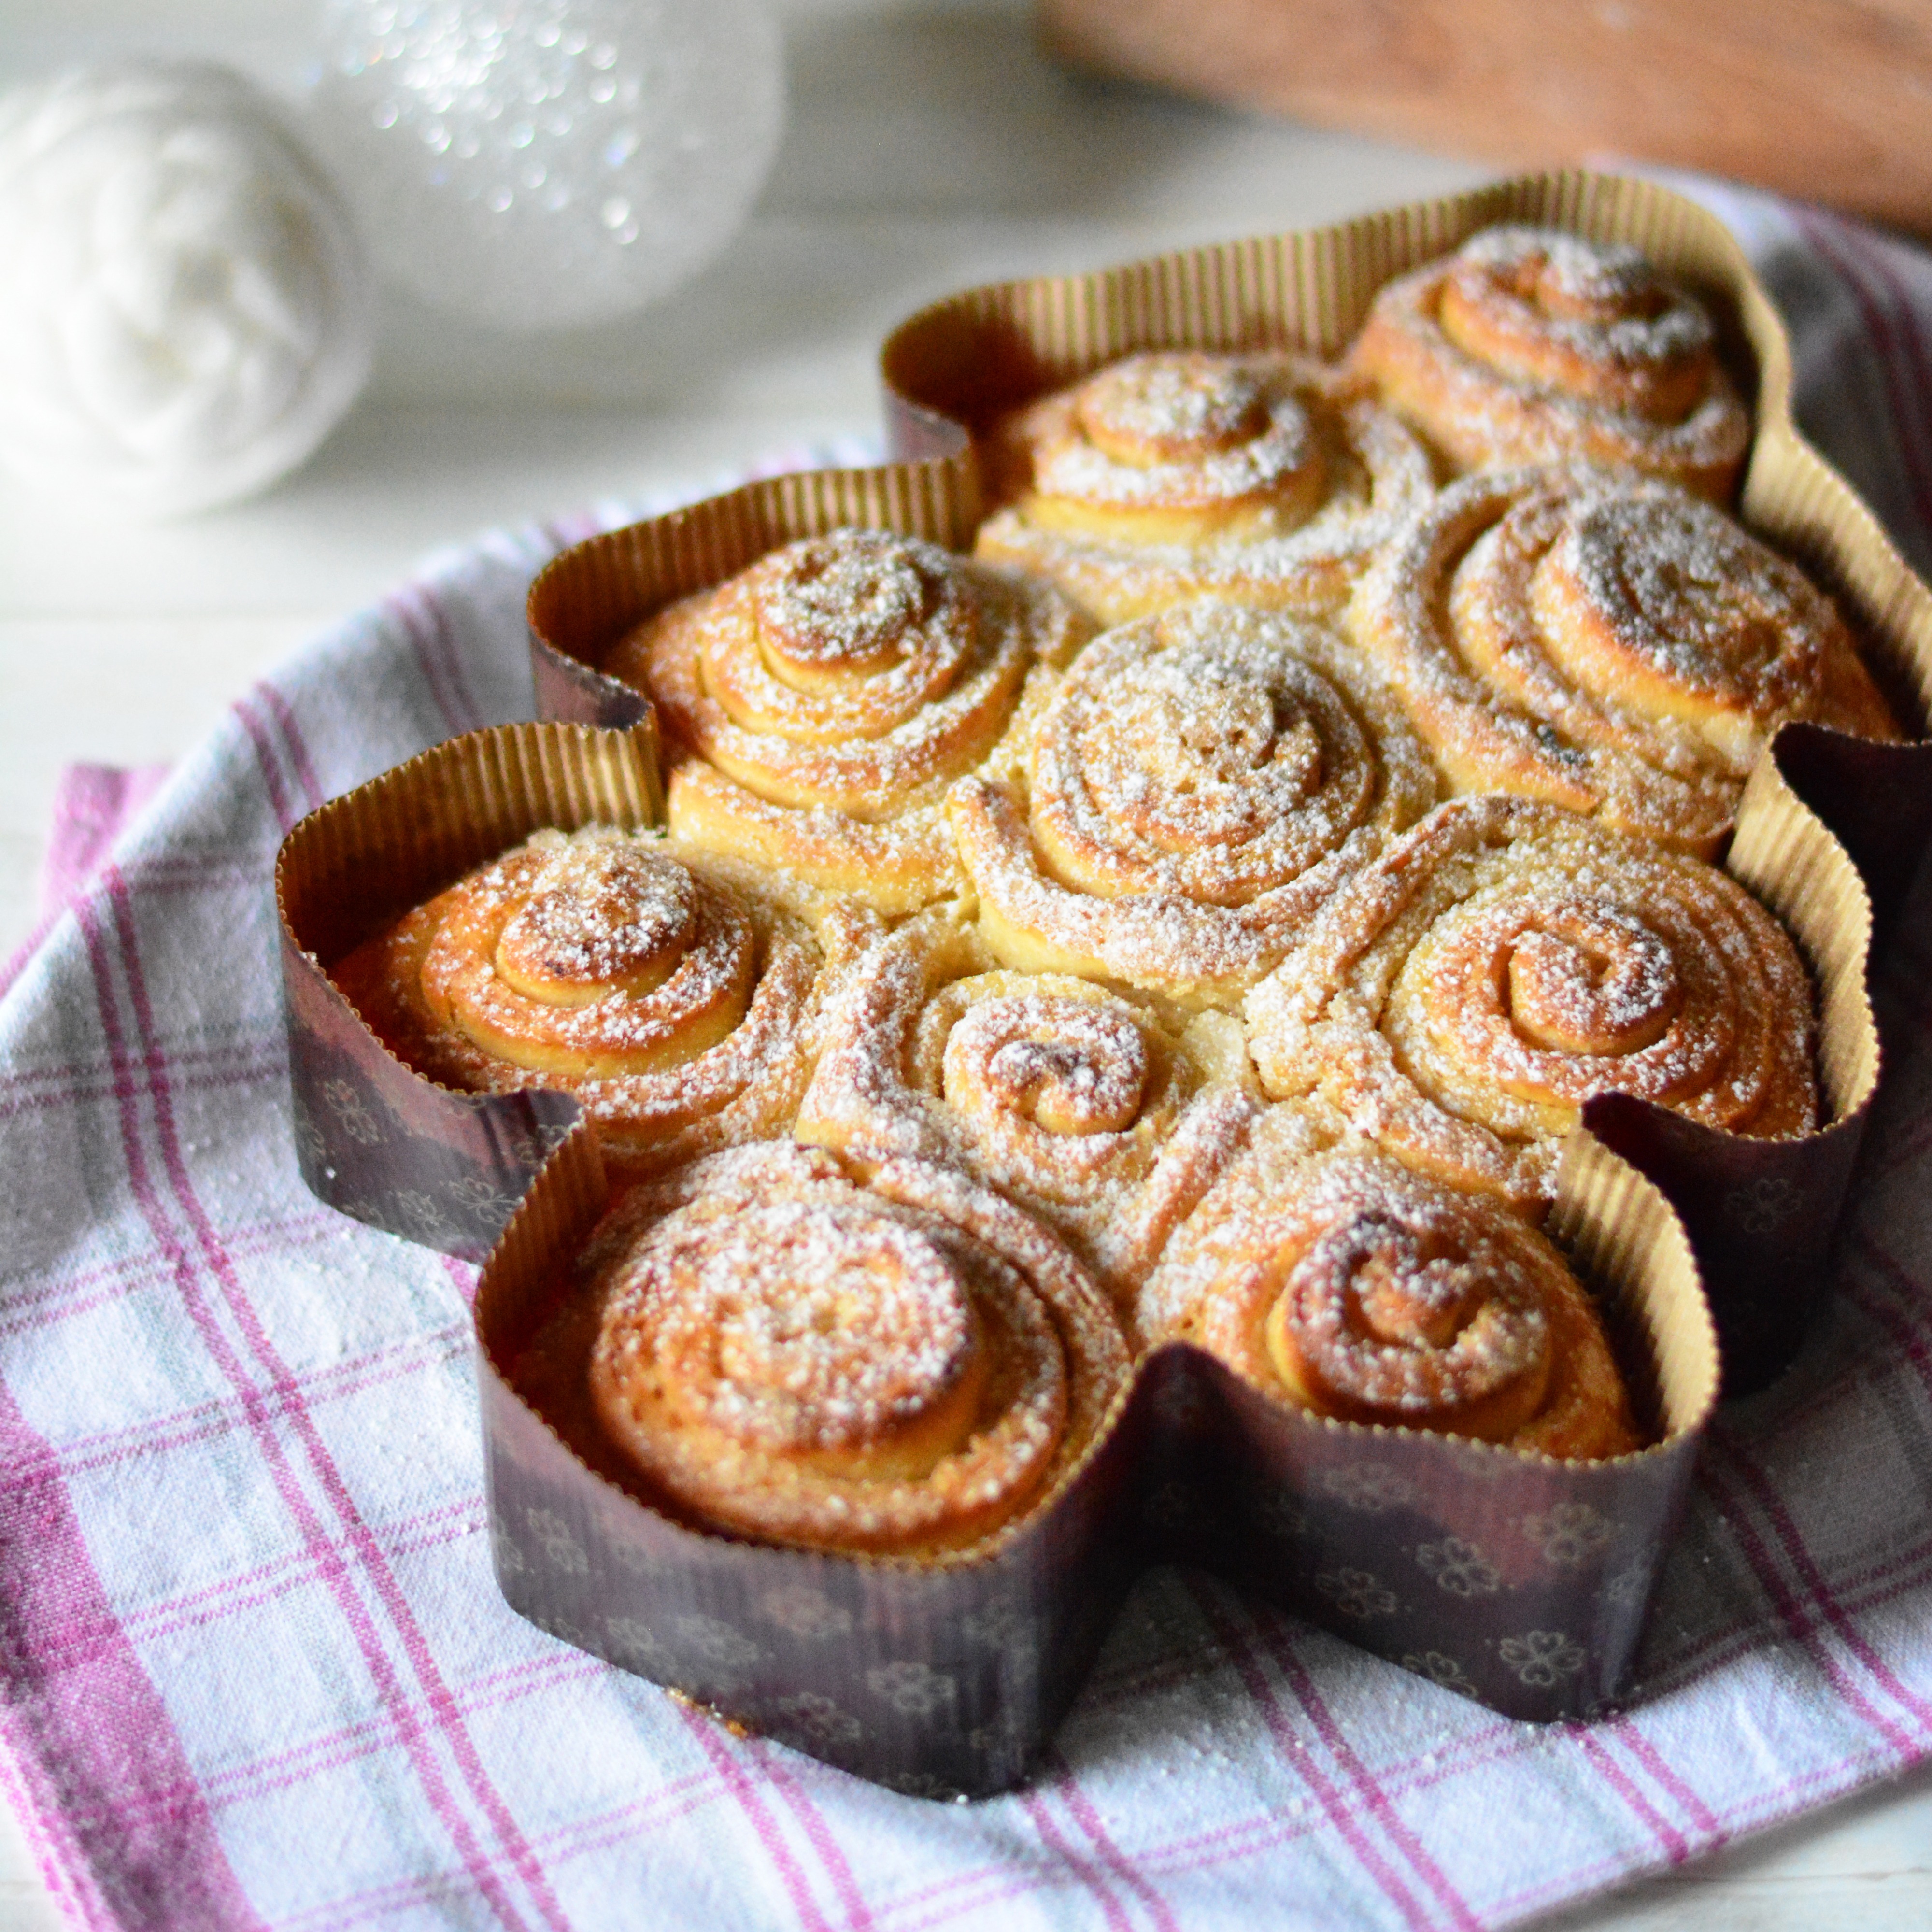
{"points": [[1762, 1214], [947, 367], [1570, 1551], [374, 1137]]}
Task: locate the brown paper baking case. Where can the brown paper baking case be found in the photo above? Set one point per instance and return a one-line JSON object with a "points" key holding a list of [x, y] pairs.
{"points": [[948, 370], [1512, 1579], [940, 1678], [376, 1139]]}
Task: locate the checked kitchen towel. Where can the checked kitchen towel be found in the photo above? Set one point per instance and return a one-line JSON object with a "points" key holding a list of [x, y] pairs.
{"points": [[256, 1673]]}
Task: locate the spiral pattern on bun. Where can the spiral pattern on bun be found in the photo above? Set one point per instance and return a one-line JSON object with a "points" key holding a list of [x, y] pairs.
{"points": [[1461, 997], [1092, 1109], [1199, 783], [1528, 345], [818, 704], [902, 1363], [1609, 644], [1178, 473], [677, 997], [1356, 1288]]}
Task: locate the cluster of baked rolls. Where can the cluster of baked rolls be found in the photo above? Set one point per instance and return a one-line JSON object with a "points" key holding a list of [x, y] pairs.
{"points": [[1202, 914]]}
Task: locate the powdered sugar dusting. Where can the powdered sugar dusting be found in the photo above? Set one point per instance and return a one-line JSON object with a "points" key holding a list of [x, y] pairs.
{"points": [[789, 1350], [1608, 643], [1504, 961], [1069, 1066], [596, 910], [829, 694], [1199, 781], [1361, 1288], [856, 598], [825, 1324], [1596, 297], [1534, 346], [1183, 429], [675, 999], [1088, 1107], [1197, 489], [1686, 590], [1400, 1319]]}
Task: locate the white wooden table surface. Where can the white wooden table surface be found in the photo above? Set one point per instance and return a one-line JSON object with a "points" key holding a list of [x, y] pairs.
{"points": [[929, 147]]}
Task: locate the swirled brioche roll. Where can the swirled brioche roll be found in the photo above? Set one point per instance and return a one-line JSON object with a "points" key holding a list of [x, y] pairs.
{"points": [[904, 1362], [1606, 643], [675, 994], [1091, 1108], [1176, 473], [1464, 994], [1352, 1285], [1528, 345], [817, 705], [1199, 785]]}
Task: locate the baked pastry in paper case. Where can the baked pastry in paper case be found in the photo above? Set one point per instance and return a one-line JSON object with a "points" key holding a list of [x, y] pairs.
{"points": [[1267, 480], [1607, 643], [815, 706], [1535, 345], [1105, 1114], [1199, 783], [677, 996], [943, 1670], [874, 1356], [1351, 1285]]}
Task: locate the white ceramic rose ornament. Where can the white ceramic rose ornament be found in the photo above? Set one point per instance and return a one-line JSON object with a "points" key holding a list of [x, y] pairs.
{"points": [[184, 309]]}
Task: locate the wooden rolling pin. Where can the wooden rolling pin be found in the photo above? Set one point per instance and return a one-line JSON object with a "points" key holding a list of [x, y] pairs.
{"points": [[1829, 99]]}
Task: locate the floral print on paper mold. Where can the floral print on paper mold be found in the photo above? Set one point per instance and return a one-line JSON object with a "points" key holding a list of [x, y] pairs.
{"points": [[1542, 1658], [1569, 1534], [1459, 1567], [1357, 1593]]}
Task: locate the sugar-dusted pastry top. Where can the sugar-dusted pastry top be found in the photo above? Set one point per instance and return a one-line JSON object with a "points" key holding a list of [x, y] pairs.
{"points": [[1355, 1287], [678, 995], [1098, 1112], [1528, 345], [1196, 787], [1606, 642], [860, 1357], [816, 705], [1460, 997], [1176, 473]]}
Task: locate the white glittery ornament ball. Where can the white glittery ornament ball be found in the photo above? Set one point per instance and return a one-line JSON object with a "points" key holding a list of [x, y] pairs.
{"points": [[184, 310], [542, 163]]}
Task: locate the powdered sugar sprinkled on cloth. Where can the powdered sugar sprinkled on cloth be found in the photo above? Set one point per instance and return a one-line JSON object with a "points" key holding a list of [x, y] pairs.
{"points": [[257, 1671]]}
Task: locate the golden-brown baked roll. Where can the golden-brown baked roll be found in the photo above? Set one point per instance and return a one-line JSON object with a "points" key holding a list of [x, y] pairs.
{"points": [[1178, 473], [1198, 785], [674, 993], [1354, 1286], [1092, 1109], [817, 706], [782, 1348], [1606, 643], [1528, 345], [1461, 997]]}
